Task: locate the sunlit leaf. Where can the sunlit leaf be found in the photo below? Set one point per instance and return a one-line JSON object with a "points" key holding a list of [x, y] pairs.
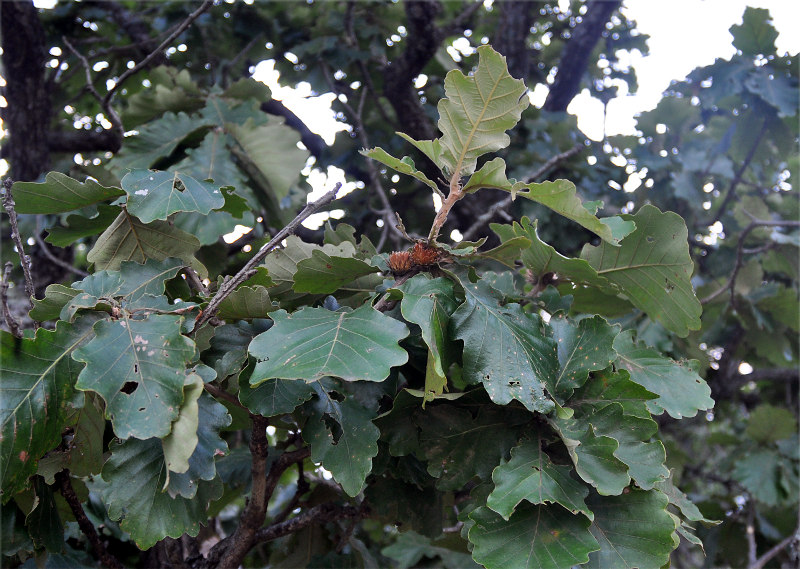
{"points": [[59, 193], [404, 166], [157, 195]]}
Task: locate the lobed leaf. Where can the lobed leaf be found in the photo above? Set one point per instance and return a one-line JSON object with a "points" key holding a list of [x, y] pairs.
{"points": [[157, 195], [404, 166], [59, 193]]}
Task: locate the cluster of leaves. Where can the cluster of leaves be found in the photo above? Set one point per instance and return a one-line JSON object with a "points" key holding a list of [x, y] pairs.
{"points": [[488, 391]]}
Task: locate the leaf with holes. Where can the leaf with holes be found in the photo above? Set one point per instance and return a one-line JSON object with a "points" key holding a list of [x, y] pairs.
{"points": [[682, 393], [530, 475], [652, 267], [536, 537], [349, 455], [138, 367], [477, 112], [504, 348], [582, 347], [38, 377], [157, 195], [314, 342], [128, 239]]}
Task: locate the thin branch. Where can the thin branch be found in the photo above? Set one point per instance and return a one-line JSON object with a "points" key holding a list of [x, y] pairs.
{"points": [[750, 534], [226, 67], [754, 224], [25, 260], [764, 559], [737, 178], [502, 205], [780, 375], [250, 268], [283, 462], [11, 322], [322, 513], [302, 487], [179, 29], [194, 280], [222, 394], [65, 485], [49, 254]]}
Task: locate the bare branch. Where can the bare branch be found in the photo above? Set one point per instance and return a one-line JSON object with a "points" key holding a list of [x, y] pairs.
{"points": [[250, 268], [222, 394], [25, 260], [322, 513], [65, 485], [179, 29], [194, 280], [12, 323], [731, 284]]}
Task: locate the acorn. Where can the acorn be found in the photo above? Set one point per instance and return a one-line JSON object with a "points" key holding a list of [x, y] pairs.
{"points": [[400, 262], [424, 256]]}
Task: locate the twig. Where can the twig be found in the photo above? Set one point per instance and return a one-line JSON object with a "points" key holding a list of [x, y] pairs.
{"points": [[764, 559], [25, 260], [754, 224], [503, 204], [179, 29], [226, 67], [49, 254], [65, 485], [750, 534], [194, 280], [302, 487], [731, 194], [105, 104], [318, 514], [222, 394], [283, 462], [250, 268], [12, 323], [384, 303]]}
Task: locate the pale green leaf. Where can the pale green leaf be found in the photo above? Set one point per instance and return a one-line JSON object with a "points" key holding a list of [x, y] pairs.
{"points": [[212, 160], [404, 166], [682, 393], [652, 267], [128, 239], [59, 193], [325, 274], [478, 111], [755, 35], [246, 302], [536, 537], [314, 342], [138, 367], [180, 443], [491, 175], [157, 195], [56, 297]]}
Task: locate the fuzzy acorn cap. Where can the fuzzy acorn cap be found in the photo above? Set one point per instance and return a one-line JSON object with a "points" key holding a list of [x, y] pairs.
{"points": [[424, 255], [400, 262]]}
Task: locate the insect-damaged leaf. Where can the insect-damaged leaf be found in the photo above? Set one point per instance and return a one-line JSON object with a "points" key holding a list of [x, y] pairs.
{"points": [[315, 342], [157, 195], [138, 367]]}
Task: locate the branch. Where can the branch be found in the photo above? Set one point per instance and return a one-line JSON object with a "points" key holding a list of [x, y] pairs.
{"points": [[12, 323], [315, 144], [731, 284], [503, 204], [771, 374], [322, 513], [222, 394], [83, 141], [25, 260], [179, 29], [49, 254], [250, 268], [65, 485], [575, 57]]}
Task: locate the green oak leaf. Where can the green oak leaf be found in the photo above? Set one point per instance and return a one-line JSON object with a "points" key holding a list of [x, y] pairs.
{"points": [[59, 193], [315, 342], [459, 446], [212, 418], [759, 472], [246, 302], [325, 274], [227, 353], [561, 197], [410, 547], [136, 474], [430, 148], [79, 226], [681, 501], [491, 175], [652, 267], [608, 386], [404, 166], [156, 195], [349, 455], [412, 504], [681, 392], [212, 160], [138, 367], [128, 239], [181, 441], [504, 348], [429, 303], [38, 385], [56, 297], [156, 140], [535, 537], [755, 35], [272, 149], [274, 396], [530, 475], [634, 530], [582, 347], [541, 258], [477, 112], [768, 424]]}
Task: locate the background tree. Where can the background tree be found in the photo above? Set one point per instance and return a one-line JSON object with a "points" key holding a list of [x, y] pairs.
{"points": [[165, 88]]}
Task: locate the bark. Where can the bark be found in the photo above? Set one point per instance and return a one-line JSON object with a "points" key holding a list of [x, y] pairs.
{"points": [[27, 116], [575, 59], [513, 28]]}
